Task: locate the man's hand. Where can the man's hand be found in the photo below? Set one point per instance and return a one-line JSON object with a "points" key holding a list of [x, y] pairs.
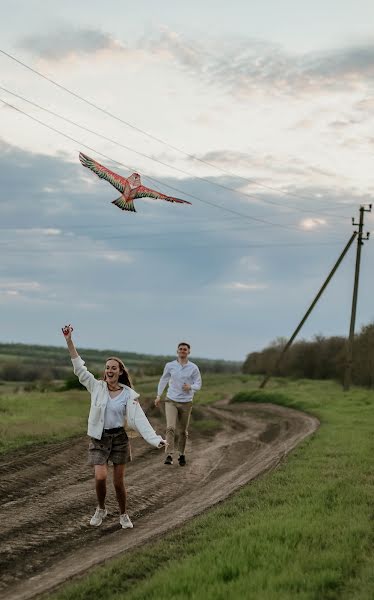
{"points": [[157, 401], [186, 387]]}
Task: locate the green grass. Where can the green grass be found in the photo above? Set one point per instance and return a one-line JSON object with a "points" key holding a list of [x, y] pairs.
{"points": [[303, 531], [274, 397], [205, 425], [217, 386], [34, 417]]}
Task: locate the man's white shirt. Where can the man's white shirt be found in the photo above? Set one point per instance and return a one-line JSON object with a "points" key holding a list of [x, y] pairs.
{"points": [[175, 374]]}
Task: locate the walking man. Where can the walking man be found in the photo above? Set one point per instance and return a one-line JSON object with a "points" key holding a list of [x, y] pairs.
{"points": [[184, 379]]}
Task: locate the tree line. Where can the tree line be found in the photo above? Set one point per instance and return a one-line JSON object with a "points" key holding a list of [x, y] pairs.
{"points": [[320, 358], [28, 363]]}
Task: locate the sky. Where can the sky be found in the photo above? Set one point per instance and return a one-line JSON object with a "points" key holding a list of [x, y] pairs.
{"points": [[258, 113]]}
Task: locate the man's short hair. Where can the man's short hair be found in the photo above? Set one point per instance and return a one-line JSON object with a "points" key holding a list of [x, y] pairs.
{"points": [[184, 344]]}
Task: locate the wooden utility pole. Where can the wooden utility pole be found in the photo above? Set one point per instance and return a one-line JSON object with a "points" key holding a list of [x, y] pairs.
{"points": [[360, 243], [284, 350]]}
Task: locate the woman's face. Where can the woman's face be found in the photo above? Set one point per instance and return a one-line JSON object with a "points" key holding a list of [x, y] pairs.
{"points": [[112, 371]]}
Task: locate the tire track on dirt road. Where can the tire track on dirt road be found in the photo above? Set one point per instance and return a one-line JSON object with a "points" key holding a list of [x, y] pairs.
{"points": [[47, 494]]}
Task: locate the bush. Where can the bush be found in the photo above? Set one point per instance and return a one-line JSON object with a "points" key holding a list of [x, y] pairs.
{"points": [[17, 371], [260, 396], [72, 383]]}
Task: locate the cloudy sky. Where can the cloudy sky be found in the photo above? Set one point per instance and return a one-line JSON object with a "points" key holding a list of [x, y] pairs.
{"points": [[258, 113]]}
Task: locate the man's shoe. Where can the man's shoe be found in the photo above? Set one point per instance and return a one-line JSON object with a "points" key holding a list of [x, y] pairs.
{"points": [[168, 460], [182, 460], [100, 514], [125, 521]]}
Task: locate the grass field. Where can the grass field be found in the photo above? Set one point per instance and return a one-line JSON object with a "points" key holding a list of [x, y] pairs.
{"points": [[41, 417], [305, 530]]}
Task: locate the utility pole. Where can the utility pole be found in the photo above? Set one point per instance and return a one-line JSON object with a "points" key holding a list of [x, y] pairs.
{"points": [[360, 243], [280, 357]]}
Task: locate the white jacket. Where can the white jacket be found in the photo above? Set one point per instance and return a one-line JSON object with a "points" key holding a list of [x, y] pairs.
{"points": [[135, 416]]}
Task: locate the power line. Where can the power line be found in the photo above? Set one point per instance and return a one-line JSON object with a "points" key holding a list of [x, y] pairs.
{"points": [[152, 158], [42, 250], [146, 133], [257, 219], [233, 220], [82, 232]]}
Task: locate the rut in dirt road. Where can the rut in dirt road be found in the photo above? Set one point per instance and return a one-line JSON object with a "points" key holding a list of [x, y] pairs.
{"points": [[47, 494]]}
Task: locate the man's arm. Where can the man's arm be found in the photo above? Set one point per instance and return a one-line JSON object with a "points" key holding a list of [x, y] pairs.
{"points": [[164, 380], [196, 380]]}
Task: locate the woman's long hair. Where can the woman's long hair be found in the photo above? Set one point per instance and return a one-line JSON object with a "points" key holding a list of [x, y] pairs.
{"points": [[124, 376]]}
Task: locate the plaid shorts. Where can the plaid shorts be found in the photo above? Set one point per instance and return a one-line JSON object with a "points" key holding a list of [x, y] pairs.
{"points": [[113, 447]]}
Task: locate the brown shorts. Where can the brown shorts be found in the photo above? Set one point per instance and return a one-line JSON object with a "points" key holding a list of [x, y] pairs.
{"points": [[114, 447]]}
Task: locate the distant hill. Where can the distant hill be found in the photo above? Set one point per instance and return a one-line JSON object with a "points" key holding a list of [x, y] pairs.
{"points": [[24, 362]]}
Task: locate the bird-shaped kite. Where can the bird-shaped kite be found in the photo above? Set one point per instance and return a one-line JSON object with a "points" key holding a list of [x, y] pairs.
{"points": [[130, 187]]}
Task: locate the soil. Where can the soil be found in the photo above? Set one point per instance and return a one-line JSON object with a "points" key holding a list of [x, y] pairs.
{"points": [[47, 493]]}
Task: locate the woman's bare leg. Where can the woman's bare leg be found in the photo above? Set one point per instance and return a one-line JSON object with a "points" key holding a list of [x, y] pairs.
{"points": [[119, 486], [101, 474]]}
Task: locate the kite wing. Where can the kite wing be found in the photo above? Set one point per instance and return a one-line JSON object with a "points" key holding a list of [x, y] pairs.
{"points": [[120, 183], [145, 192]]}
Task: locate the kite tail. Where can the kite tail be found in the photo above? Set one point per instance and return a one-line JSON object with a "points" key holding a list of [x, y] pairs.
{"points": [[123, 205]]}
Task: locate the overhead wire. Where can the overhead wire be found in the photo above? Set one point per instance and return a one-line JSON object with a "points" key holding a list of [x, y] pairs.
{"points": [[144, 132], [232, 211], [167, 248], [178, 169], [78, 231], [82, 234]]}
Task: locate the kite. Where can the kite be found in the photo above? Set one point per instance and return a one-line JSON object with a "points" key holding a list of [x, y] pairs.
{"points": [[131, 187]]}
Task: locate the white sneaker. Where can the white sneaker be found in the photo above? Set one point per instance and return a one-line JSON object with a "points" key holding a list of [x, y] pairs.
{"points": [[100, 514], [125, 521]]}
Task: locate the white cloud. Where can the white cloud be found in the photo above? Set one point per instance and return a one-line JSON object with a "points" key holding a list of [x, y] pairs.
{"points": [[249, 263], [18, 289], [71, 42], [39, 231], [88, 305], [245, 287], [19, 286], [173, 44], [51, 231], [250, 65], [9, 292], [121, 257], [312, 223]]}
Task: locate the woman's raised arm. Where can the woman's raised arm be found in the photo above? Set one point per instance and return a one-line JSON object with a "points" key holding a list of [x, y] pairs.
{"points": [[67, 331]]}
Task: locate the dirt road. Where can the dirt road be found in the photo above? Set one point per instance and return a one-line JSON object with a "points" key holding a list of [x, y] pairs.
{"points": [[47, 494]]}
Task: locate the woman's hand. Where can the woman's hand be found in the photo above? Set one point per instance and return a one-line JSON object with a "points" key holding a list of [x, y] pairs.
{"points": [[67, 331]]}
